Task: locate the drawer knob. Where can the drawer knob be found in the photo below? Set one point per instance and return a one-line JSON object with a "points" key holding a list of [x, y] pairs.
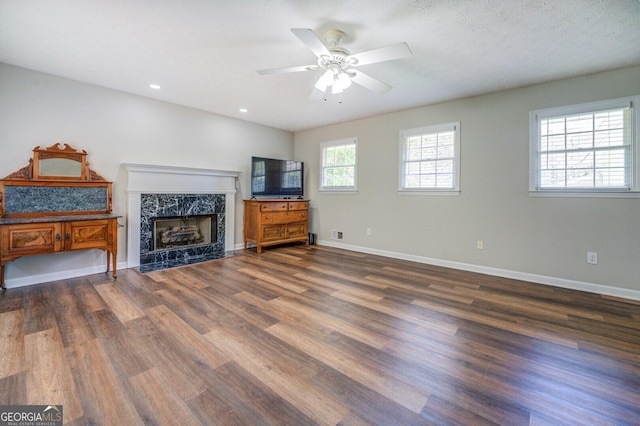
{"points": [[57, 237], [67, 236]]}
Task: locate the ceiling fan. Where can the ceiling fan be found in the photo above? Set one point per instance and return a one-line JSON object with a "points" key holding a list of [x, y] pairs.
{"points": [[339, 65]]}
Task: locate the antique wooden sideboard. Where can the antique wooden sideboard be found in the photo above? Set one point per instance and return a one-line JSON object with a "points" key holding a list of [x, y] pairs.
{"points": [[269, 222], [55, 204]]}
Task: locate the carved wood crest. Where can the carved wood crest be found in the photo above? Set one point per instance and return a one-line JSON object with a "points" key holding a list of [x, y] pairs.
{"points": [[57, 162]]}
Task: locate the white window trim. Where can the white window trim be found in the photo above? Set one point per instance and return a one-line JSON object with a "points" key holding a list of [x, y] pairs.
{"points": [[455, 191], [534, 116], [338, 189]]}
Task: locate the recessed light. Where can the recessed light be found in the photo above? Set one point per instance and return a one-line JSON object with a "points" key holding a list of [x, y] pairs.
{"points": [[155, 86], [243, 110]]}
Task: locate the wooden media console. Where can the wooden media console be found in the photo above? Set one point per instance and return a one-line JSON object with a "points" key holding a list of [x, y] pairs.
{"points": [[271, 222]]}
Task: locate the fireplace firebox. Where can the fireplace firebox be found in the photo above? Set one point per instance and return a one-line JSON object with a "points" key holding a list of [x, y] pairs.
{"points": [[185, 231]]}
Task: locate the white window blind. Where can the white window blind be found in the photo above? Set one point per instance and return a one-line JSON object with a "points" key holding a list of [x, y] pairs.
{"points": [[430, 158], [586, 150], [585, 147]]}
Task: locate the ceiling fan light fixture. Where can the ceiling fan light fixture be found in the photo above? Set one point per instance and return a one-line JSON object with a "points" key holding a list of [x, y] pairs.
{"points": [[343, 80], [328, 77], [336, 62]]}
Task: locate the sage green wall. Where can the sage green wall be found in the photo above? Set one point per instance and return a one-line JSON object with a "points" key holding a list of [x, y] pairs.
{"points": [[115, 128], [543, 239]]}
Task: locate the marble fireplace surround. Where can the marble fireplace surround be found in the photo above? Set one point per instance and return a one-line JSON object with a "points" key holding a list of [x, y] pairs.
{"points": [[158, 179]]}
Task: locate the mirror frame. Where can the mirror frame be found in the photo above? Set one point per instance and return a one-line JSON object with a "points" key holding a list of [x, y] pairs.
{"points": [[56, 151]]}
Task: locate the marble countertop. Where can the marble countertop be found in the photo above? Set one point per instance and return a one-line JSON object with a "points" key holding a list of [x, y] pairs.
{"points": [[48, 219]]}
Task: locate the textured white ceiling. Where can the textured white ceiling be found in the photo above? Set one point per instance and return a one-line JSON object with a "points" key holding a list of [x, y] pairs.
{"points": [[205, 53]]}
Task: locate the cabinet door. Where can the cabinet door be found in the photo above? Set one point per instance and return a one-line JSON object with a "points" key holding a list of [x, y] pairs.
{"points": [[273, 232], [31, 238], [80, 235], [298, 229]]}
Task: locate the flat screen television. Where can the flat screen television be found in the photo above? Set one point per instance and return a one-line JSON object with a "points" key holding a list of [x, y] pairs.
{"points": [[276, 178]]}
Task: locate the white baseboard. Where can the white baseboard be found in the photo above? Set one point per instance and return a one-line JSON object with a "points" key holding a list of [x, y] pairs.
{"points": [[60, 275], [523, 276]]}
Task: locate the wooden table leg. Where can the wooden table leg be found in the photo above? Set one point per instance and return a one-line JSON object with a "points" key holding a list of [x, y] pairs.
{"points": [[108, 262], [2, 278]]}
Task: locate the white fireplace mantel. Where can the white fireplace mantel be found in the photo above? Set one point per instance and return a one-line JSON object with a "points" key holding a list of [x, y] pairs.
{"points": [[158, 179]]}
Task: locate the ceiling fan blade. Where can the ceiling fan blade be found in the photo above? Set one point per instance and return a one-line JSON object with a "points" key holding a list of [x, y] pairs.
{"points": [[288, 69], [369, 82], [311, 40], [319, 89], [317, 94], [395, 51]]}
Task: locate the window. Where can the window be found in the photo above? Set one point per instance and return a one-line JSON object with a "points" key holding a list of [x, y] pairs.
{"points": [[587, 148], [430, 159], [339, 168]]}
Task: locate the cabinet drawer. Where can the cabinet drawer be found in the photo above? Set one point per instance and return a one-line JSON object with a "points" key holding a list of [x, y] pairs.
{"points": [[297, 215], [88, 234], [274, 217], [273, 232], [32, 238], [274, 206], [298, 205], [298, 229], [283, 217]]}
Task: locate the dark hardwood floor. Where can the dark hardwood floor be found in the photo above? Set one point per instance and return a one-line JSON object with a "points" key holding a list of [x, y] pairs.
{"points": [[314, 335]]}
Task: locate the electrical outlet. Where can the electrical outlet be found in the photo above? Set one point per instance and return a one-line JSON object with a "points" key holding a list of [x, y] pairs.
{"points": [[339, 235], [369, 232], [480, 245], [592, 258], [336, 235]]}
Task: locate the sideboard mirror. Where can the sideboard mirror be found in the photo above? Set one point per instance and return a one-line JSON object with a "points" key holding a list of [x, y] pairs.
{"points": [[59, 163]]}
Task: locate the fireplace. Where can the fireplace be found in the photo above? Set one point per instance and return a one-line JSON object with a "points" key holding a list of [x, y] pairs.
{"points": [[179, 229], [193, 209], [184, 231]]}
